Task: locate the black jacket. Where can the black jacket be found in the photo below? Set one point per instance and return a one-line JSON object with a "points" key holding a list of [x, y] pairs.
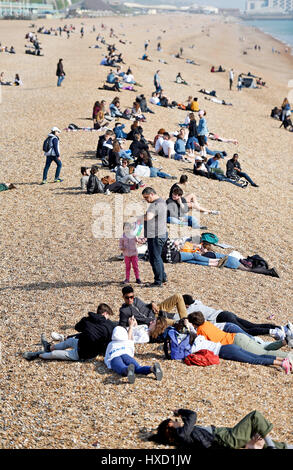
{"points": [[96, 333], [137, 146], [192, 129], [142, 312], [190, 435], [230, 172], [94, 185]]}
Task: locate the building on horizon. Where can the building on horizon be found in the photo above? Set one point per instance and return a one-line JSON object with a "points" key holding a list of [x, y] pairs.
{"points": [[269, 6]]}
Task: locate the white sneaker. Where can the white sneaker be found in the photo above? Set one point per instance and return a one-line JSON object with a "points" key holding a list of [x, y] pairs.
{"points": [[278, 333], [108, 192], [57, 336]]}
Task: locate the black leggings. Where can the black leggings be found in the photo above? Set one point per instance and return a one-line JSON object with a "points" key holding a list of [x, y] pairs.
{"points": [[252, 329]]}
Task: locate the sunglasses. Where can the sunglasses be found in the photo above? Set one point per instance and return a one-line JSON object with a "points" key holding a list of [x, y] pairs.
{"points": [[129, 296]]}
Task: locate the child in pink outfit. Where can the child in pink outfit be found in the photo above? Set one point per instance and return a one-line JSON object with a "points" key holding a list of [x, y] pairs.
{"points": [[128, 247]]}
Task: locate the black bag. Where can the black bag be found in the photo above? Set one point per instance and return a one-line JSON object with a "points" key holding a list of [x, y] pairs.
{"points": [[257, 261], [47, 145]]}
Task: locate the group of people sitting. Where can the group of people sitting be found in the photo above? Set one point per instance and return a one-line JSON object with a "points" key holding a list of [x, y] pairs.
{"points": [[283, 114], [16, 82]]}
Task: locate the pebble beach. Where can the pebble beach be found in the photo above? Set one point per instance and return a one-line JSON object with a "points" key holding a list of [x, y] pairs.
{"points": [[53, 270]]}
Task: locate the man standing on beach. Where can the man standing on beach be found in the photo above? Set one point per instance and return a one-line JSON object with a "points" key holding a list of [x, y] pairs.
{"points": [[155, 230], [60, 72], [231, 78], [52, 153]]}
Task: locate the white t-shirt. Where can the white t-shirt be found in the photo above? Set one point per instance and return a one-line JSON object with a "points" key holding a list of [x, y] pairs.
{"points": [[142, 170], [159, 143], [209, 313], [168, 144], [154, 100], [201, 343], [231, 74], [128, 78], [119, 345]]}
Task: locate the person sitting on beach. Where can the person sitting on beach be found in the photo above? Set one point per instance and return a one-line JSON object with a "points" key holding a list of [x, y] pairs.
{"points": [[155, 99], [123, 175], [85, 171], [138, 145], [118, 131], [136, 112], [177, 209], [110, 77], [191, 199], [135, 128], [17, 80], [146, 313], [146, 57], [95, 332], [180, 80], [95, 185], [180, 148], [3, 81], [214, 167], [143, 104], [252, 432], [104, 144], [119, 355], [234, 171], [158, 141], [116, 86], [194, 106], [168, 146], [115, 109], [144, 167], [286, 109]]}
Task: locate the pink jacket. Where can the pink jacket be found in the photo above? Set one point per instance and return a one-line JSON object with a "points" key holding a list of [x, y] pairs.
{"points": [[128, 246]]}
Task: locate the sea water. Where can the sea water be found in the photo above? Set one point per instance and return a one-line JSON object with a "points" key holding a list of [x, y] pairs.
{"points": [[279, 29]]}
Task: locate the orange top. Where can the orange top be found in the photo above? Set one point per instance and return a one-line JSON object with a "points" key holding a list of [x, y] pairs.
{"points": [[212, 333]]}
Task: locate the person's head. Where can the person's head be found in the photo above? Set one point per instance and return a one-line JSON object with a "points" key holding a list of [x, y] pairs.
{"points": [[60, 60], [196, 318], [97, 103], [285, 101], [144, 155], [183, 179], [191, 116], [188, 300], [149, 194], [94, 169], [181, 134], [166, 432], [116, 146], [134, 125], [217, 156], [117, 124], [195, 99], [11, 186], [166, 136], [105, 310], [55, 130], [84, 170], [108, 133], [157, 327], [161, 131], [202, 113], [128, 295], [177, 193], [207, 246], [124, 162], [235, 157], [103, 103]]}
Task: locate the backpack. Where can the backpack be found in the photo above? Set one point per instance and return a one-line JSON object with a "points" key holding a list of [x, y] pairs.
{"points": [[48, 144], [202, 358], [174, 348]]}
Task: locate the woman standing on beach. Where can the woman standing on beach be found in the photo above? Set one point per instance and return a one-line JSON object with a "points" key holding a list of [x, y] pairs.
{"points": [[203, 132]]}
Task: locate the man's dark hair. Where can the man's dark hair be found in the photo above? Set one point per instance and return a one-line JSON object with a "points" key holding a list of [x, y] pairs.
{"points": [[177, 191], [102, 308], [183, 179], [127, 290], [94, 169], [218, 155], [148, 190], [196, 318], [195, 99], [188, 300], [83, 169], [166, 134]]}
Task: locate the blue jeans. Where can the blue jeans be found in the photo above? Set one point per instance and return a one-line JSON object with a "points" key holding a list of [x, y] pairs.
{"points": [[245, 175], [186, 220], [224, 178], [120, 364], [232, 352], [190, 142], [232, 328], [155, 246], [60, 80], [156, 172], [194, 258], [232, 263], [49, 160]]}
